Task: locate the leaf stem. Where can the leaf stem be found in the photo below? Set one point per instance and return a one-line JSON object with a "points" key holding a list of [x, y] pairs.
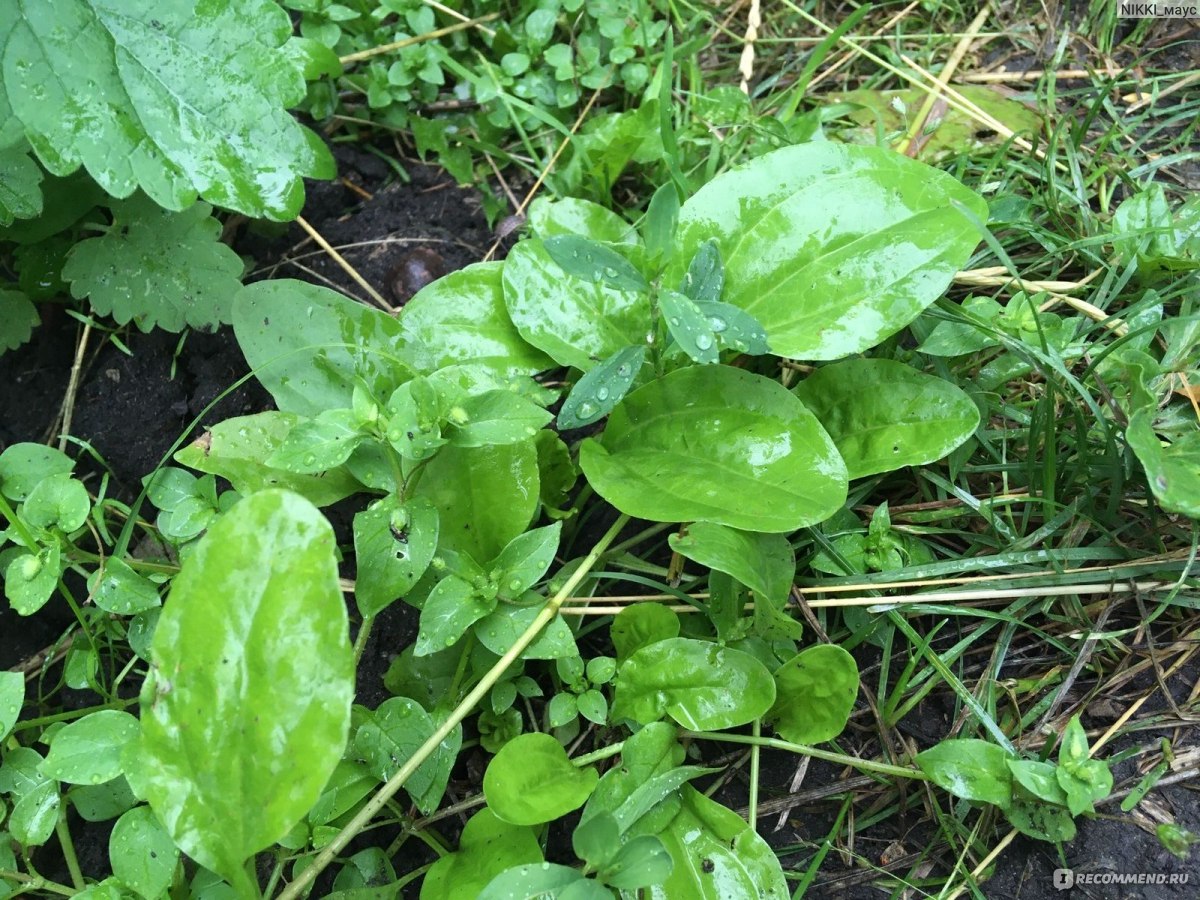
{"points": [[863, 765], [360, 640], [37, 883], [21, 528], [68, 848], [597, 755], [385, 793], [755, 762]]}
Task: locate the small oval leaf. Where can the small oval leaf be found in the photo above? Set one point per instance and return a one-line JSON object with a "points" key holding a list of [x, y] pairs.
{"points": [[601, 389], [531, 781], [814, 694]]}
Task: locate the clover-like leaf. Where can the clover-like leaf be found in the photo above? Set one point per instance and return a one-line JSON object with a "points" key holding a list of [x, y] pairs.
{"points": [[176, 100], [157, 268]]}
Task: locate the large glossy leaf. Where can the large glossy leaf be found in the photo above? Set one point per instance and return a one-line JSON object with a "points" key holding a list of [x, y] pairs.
{"points": [[308, 344], [488, 846], [237, 450], [884, 415], [716, 855], [576, 322], [247, 711], [717, 444], [832, 247], [969, 768], [485, 496], [571, 215], [698, 684], [176, 100], [461, 318]]}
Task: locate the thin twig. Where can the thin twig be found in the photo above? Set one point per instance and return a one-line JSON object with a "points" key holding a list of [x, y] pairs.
{"points": [[346, 267]]}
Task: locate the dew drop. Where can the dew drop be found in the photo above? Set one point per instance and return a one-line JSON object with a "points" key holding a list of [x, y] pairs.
{"points": [[675, 321], [623, 370], [514, 585], [703, 341], [717, 324], [610, 271], [309, 459], [586, 409], [602, 394]]}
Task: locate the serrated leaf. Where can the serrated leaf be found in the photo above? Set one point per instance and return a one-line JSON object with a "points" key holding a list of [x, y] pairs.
{"points": [[600, 390], [689, 326], [18, 316], [253, 674], [20, 185], [178, 101], [156, 268]]}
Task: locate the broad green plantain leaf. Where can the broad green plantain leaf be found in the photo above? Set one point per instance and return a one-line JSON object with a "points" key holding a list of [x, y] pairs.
{"points": [[461, 318], [531, 781], [832, 247], [884, 415], [247, 711], [88, 751], [485, 496], [969, 768], [237, 449], [308, 345], [18, 316], [393, 544], [571, 215], [601, 389], [156, 268], [142, 854], [814, 694], [177, 100], [1173, 470], [488, 846], [577, 323], [12, 698], [20, 185], [700, 685], [717, 444], [716, 855]]}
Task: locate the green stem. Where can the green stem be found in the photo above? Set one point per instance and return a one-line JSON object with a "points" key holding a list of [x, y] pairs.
{"points": [[642, 535], [364, 635], [37, 883], [863, 765], [20, 527], [73, 714], [755, 761], [597, 755], [385, 793], [68, 848]]}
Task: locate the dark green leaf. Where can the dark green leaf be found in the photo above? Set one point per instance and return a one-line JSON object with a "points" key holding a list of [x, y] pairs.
{"points": [[594, 262], [705, 277], [641, 624], [174, 101], [689, 326], [389, 738], [601, 389], [18, 317], [658, 231], [20, 186], [12, 698], [735, 328]]}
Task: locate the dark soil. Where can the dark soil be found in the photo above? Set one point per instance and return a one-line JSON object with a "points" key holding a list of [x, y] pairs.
{"points": [[132, 410]]}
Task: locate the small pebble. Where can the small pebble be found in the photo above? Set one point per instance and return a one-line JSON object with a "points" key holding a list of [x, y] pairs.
{"points": [[416, 268]]}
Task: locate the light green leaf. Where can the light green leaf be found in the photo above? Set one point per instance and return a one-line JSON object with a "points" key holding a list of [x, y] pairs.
{"points": [[814, 694], [832, 247], [30, 579], [59, 501], [320, 444], [237, 449], [177, 101], [487, 847], [156, 268], [531, 781], [765, 563], [101, 802], [254, 675], [716, 855], [642, 862], [640, 625], [88, 751], [969, 768], [601, 389], [1172, 470], [955, 338], [700, 685], [33, 816], [20, 186], [23, 465], [526, 559], [662, 217], [493, 418], [534, 880], [451, 608], [18, 317], [142, 854], [392, 734], [120, 590], [717, 444], [485, 496], [1039, 778], [884, 415], [1041, 820], [393, 544], [500, 630], [309, 345], [12, 698], [576, 322], [461, 318], [571, 215]]}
